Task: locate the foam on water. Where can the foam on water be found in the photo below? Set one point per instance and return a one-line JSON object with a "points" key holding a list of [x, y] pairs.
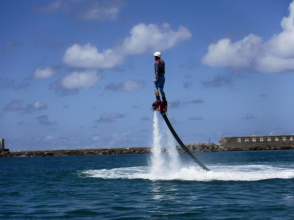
{"points": [[220, 172]]}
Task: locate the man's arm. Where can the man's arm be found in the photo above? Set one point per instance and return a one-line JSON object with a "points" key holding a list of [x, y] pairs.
{"points": [[156, 75], [156, 71]]}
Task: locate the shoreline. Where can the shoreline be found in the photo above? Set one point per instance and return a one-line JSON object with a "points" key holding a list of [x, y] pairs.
{"points": [[200, 147]]}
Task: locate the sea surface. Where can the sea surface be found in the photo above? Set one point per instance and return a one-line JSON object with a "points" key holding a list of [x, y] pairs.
{"points": [[240, 185]]}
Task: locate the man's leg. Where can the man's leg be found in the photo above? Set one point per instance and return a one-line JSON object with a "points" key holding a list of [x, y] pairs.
{"points": [[156, 92], [161, 87], [157, 102], [164, 102]]}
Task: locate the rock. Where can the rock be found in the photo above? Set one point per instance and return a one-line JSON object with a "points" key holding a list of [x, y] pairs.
{"points": [[4, 154], [47, 154]]}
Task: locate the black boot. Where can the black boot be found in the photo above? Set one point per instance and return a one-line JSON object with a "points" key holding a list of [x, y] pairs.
{"points": [[164, 102], [157, 102]]}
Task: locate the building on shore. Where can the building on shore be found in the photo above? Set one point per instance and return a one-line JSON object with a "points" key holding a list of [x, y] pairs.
{"points": [[257, 141], [2, 145]]}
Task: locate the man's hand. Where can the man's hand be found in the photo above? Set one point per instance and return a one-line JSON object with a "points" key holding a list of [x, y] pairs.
{"points": [[155, 81]]}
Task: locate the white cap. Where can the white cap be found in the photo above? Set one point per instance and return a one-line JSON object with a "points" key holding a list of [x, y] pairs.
{"points": [[157, 54]]}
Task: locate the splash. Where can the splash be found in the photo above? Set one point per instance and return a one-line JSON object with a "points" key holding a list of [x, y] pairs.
{"points": [[220, 173], [170, 162], [157, 157], [174, 164]]}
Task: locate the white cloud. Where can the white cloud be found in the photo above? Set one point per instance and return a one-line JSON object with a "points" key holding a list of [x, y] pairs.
{"points": [[53, 6], [96, 138], [120, 138], [195, 118], [175, 104], [36, 106], [109, 117], [39, 105], [78, 80], [83, 9], [87, 56], [49, 138], [240, 54], [282, 45], [95, 11], [273, 56], [249, 116], [274, 64], [12, 84], [43, 73], [128, 86], [218, 81], [143, 39], [15, 105], [145, 119], [43, 120], [150, 38]]}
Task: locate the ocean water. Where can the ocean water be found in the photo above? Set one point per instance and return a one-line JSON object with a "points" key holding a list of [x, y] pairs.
{"points": [[240, 185]]}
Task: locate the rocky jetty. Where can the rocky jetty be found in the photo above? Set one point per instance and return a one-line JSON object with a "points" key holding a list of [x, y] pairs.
{"points": [[200, 147], [204, 147], [77, 152]]}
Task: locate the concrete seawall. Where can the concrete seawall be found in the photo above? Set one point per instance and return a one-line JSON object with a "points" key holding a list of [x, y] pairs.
{"points": [[252, 142], [200, 147]]}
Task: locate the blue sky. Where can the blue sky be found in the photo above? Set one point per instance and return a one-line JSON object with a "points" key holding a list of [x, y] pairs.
{"points": [[79, 73]]}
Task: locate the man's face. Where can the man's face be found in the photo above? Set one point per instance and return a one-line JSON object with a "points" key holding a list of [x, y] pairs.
{"points": [[155, 58]]}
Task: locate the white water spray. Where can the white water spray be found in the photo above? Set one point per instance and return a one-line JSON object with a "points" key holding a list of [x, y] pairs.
{"points": [[157, 158], [172, 151], [160, 163]]}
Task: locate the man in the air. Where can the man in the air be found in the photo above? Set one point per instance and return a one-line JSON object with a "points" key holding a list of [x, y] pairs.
{"points": [[159, 67]]}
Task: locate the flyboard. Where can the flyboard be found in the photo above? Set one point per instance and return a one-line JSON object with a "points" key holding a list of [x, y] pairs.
{"points": [[163, 109]]}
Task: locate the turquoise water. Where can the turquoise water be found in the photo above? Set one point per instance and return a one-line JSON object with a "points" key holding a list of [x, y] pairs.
{"points": [[240, 185]]}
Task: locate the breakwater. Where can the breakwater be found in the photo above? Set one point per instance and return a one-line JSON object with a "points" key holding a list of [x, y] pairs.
{"points": [[199, 147], [271, 142]]}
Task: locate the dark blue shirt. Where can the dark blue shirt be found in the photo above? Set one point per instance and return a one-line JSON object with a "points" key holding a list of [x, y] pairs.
{"points": [[159, 66]]}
